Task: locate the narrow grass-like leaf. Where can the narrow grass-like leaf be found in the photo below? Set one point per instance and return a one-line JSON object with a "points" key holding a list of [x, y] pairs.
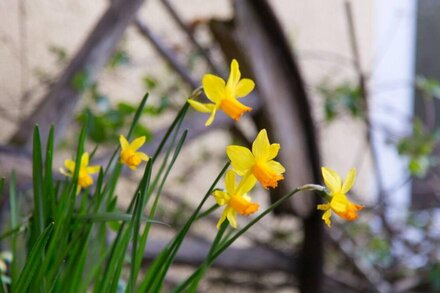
{"points": [[37, 180], [204, 266], [48, 190], [138, 255], [34, 260], [154, 279], [110, 279], [208, 211], [115, 216], [14, 214], [180, 115], [134, 122]]}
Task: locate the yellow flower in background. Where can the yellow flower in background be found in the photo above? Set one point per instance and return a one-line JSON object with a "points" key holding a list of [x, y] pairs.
{"points": [[129, 154], [224, 96], [84, 178], [259, 163], [339, 202], [235, 199]]}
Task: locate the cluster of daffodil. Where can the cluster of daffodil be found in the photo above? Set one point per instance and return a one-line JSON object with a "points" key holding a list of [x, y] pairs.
{"points": [[129, 156], [250, 166], [258, 164]]}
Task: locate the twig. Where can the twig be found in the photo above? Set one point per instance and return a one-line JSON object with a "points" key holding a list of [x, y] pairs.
{"points": [[165, 53], [191, 36], [361, 78]]}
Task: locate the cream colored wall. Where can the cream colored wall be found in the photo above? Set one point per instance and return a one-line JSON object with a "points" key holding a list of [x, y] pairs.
{"points": [[317, 29]]}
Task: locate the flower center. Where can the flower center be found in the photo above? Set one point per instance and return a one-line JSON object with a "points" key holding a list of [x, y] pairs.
{"points": [[243, 206], [266, 176], [84, 179], [233, 108], [344, 208], [130, 158]]}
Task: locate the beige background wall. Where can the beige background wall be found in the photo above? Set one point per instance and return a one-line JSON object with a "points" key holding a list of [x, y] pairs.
{"points": [[316, 28]]}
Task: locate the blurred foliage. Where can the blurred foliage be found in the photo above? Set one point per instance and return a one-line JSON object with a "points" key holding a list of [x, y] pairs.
{"points": [[379, 251], [60, 54], [120, 57], [418, 148], [106, 122], [342, 98], [428, 87], [434, 277]]}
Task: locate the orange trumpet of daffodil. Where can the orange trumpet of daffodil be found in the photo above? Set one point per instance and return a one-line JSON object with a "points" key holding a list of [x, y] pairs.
{"points": [[84, 178], [339, 202], [235, 199], [223, 95], [259, 162], [129, 154]]}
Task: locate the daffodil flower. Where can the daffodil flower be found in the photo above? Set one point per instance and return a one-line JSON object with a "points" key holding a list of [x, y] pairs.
{"points": [[129, 154], [235, 199], [84, 178], [339, 202], [224, 95], [259, 163]]}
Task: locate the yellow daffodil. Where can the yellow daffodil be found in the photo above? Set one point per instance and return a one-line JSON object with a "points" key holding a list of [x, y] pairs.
{"points": [[84, 178], [224, 95], [339, 202], [129, 154], [259, 163], [235, 199]]}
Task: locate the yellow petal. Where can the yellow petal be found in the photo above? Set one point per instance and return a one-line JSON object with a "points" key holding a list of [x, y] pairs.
{"points": [[201, 107], [85, 159], [214, 87], [70, 165], [230, 183], [142, 156], [326, 217], [241, 158], [244, 87], [123, 141], [221, 197], [231, 215], [276, 166], [137, 143], [349, 181], [323, 207], [211, 117], [273, 151], [62, 171], [339, 203], [246, 184], [93, 169], [331, 179], [222, 218], [234, 76], [260, 146]]}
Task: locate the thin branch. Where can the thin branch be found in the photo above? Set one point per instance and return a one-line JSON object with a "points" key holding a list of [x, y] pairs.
{"points": [[191, 36], [165, 53], [361, 78]]}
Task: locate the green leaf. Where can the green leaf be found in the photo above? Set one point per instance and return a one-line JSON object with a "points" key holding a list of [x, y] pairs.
{"points": [[81, 81], [114, 216], [34, 260], [38, 218], [150, 82]]}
